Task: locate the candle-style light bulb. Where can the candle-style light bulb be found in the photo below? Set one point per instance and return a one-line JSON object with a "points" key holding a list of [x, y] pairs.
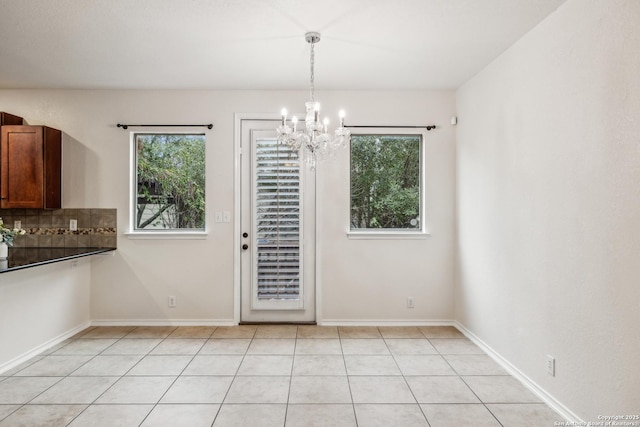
{"points": [[284, 116], [294, 120], [342, 114], [326, 124], [316, 112]]}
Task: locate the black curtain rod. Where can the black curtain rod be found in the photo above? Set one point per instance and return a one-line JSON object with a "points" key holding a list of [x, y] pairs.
{"points": [[428, 127], [209, 126]]}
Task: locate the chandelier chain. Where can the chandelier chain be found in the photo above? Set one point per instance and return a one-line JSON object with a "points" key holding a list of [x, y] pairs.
{"points": [[312, 72]]}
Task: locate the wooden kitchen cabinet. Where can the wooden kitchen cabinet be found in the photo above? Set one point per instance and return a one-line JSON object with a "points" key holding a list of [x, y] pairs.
{"points": [[9, 119], [30, 167]]}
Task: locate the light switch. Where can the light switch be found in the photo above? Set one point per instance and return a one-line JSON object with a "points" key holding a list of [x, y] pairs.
{"points": [[218, 217], [226, 216]]}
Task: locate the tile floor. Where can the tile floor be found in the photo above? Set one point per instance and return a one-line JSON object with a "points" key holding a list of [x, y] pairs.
{"points": [[267, 376]]}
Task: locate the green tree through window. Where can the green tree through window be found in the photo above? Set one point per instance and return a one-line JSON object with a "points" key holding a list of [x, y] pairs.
{"points": [[385, 182], [170, 173]]}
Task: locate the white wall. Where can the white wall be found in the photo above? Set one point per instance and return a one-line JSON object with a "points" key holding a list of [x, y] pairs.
{"points": [[548, 172], [371, 279], [40, 305], [135, 283]]}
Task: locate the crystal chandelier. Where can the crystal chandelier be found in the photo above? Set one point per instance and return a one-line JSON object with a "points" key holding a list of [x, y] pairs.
{"points": [[314, 142]]}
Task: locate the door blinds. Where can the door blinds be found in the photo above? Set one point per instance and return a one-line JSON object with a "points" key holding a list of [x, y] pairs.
{"points": [[277, 221]]}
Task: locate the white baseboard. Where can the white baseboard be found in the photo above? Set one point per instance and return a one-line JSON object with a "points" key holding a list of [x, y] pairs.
{"points": [[378, 322], [525, 380], [42, 347], [164, 322]]}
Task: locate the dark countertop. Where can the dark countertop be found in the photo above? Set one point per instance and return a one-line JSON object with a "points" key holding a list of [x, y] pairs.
{"points": [[21, 258]]}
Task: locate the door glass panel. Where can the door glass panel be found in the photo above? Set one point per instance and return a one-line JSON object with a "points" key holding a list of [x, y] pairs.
{"points": [[277, 223]]}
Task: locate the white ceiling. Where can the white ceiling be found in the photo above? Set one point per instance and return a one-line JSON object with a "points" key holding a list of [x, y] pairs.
{"points": [[256, 44]]}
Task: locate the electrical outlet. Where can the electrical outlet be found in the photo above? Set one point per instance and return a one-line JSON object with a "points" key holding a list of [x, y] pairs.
{"points": [[17, 224], [409, 302], [73, 224], [172, 301], [74, 264], [551, 366]]}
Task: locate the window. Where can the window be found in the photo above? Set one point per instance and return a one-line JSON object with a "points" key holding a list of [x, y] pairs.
{"points": [[387, 183], [169, 182], [278, 223]]}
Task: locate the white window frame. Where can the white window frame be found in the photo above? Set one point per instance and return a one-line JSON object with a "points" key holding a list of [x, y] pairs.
{"points": [[173, 234], [381, 234]]}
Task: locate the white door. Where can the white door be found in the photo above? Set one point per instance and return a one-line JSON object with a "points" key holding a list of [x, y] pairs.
{"points": [[277, 227]]}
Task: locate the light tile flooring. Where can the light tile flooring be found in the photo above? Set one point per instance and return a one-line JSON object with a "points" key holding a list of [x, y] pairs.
{"points": [[267, 376]]}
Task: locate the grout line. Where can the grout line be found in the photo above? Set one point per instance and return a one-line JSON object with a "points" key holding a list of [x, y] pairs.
{"points": [[174, 380], [224, 398], [400, 370], [344, 360], [405, 379], [481, 401], [293, 362]]}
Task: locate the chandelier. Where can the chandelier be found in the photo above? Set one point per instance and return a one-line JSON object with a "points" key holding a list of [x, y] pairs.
{"points": [[314, 142]]}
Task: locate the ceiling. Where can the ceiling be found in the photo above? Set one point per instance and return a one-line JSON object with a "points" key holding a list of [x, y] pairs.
{"points": [[256, 44]]}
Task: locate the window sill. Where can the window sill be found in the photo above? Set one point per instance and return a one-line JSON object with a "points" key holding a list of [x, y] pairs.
{"points": [[167, 235], [388, 235]]}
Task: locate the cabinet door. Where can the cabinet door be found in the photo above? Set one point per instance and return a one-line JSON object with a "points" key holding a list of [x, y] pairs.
{"points": [[21, 167], [10, 119]]}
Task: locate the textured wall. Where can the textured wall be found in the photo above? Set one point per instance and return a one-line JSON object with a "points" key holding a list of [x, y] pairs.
{"points": [[135, 283], [41, 304], [371, 279], [548, 205]]}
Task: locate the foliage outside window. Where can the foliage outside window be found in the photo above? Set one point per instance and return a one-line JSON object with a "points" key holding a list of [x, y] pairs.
{"points": [[170, 182], [386, 182]]}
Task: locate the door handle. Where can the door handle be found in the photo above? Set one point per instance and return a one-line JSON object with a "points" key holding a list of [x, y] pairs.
{"points": [[245, 247]]}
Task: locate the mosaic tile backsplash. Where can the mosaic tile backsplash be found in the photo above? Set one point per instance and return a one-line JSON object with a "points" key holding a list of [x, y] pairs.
{"points": [[97, 228]]}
